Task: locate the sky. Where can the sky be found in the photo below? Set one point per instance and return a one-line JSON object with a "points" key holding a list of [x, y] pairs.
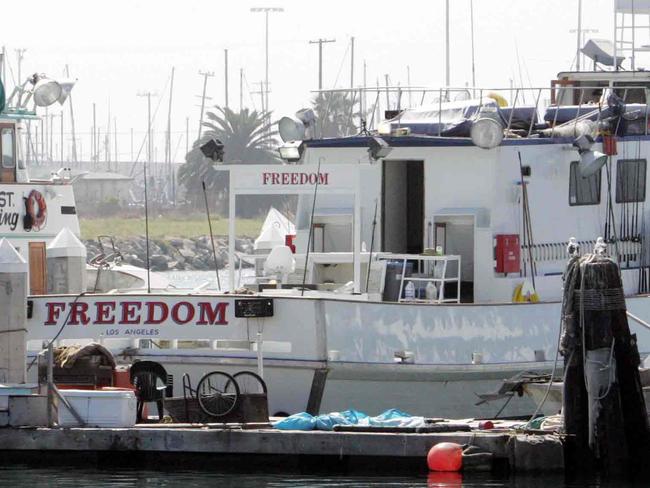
{"points": [[121, 49]]}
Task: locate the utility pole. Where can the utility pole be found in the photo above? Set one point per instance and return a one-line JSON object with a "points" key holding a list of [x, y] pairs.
{"points": [[352, 62], [20, 53], [107, 138], [187, 135], [408, 82], [115, 144], [260, 92], [365, 98], [241, 89], [471, 17], [225, 52], [74, 137], [447, 61], [62, 145], [266, 11], [579, 35], [149, 138], [168, 141], [206, 75], [52, 151], [94, 137], [320, 43]]}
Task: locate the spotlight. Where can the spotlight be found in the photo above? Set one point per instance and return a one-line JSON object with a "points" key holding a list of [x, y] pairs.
{"points": [[590, 161], [291, 151], [213, 149], [378, 148]]}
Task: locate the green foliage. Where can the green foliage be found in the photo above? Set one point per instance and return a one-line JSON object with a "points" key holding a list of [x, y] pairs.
{"points": [[247, 138], [335, 112]]}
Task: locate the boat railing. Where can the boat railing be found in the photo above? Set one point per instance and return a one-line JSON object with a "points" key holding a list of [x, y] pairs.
{"points": [[366, 103]]}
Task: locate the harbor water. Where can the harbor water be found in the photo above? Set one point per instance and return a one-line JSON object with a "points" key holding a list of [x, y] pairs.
{"points": [[205, 279], [17, 476]]}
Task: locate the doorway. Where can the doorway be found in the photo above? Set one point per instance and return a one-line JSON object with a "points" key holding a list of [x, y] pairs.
{"points": [[7, 154], [455, 234], [37, 269], [402, 205]]}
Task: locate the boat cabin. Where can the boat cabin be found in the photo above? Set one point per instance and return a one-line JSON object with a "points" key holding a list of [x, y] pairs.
{"points": [[505, 202]]}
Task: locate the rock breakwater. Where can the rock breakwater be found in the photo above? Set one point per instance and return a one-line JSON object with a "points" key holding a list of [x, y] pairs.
{"points": [[171, 253]]}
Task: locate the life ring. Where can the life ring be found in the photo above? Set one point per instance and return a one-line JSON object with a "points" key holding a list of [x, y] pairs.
{"points": [[36, 211]]}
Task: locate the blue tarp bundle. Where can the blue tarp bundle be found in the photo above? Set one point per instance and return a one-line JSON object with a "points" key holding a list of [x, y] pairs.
{"points": [[390, 418]]}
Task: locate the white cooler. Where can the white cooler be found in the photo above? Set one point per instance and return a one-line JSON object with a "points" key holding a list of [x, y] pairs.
{"points": [[99, 408]]}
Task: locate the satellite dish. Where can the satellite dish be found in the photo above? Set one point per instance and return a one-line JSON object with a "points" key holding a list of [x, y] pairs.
{"points": [[66, 88], [46, 92], [602, 51], [291, 129], [591, 162]]}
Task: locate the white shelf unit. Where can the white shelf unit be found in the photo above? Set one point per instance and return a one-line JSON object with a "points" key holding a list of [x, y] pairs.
{"points": [[429, 269]]}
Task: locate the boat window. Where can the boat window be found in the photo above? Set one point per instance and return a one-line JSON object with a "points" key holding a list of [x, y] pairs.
{"points": [[583, 191], [630, 180], [8, 160]]}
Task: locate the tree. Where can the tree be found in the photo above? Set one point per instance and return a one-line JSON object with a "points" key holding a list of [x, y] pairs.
{"points": [[247, 138], [335, 112]]}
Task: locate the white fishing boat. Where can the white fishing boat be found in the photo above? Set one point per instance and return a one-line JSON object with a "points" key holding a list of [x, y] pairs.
{"points": [[429, 252]]}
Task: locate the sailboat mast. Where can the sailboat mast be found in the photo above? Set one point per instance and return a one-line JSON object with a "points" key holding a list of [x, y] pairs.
{"points": [[447, 82]]}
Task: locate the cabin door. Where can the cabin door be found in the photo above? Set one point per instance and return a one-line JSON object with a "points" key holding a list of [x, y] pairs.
{"points": [[455, 234], [8, 154], [402, 206], [37, 269]]}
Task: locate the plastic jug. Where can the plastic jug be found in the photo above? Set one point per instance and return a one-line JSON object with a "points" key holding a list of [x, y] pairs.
{"points": [[409, 291], [431, 291]]}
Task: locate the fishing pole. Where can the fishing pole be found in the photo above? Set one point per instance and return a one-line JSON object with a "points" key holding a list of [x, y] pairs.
{"points": [[146, 228], [311, 229], [372, 244], [214, 250]]}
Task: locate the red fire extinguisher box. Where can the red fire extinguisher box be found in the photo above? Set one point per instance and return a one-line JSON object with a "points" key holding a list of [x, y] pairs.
{"points": [[507, 253]]}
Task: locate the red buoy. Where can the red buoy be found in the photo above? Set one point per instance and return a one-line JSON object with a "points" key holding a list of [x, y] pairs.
{"points": [[445, 456], [446, 479]]}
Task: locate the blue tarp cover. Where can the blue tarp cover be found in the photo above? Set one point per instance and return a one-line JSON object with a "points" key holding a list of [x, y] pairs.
{"points": [[389, 418]]}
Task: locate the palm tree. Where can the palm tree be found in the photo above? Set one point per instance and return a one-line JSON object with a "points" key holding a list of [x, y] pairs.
{"points": [[247, 138], [335, 112]]}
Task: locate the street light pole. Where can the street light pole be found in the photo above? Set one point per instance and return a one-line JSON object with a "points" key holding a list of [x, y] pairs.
{"points": [[266, 11]]}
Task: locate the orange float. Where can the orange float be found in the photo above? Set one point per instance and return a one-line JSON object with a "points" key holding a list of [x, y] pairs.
{"points": [[445, 456]]}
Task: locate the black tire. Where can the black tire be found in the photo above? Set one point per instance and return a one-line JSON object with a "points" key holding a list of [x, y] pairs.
{"points": [[250, 382], [217, 393]]}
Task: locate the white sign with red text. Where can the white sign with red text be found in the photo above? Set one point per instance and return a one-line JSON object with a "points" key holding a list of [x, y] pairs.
{"points": [[148, 316], [270, 179]]}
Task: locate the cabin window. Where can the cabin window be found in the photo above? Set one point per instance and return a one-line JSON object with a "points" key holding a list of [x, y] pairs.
{"points": [[583, 191], [8, 160], [630, 180]]}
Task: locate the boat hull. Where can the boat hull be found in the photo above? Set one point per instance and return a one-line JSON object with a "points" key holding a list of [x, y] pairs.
{"points": [[326, 354]]}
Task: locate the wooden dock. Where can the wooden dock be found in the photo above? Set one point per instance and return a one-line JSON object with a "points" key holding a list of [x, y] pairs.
{"points": [[264, 448]]}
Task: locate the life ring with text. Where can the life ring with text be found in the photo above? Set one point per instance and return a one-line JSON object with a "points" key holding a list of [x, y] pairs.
{"points": [[35, 211]]}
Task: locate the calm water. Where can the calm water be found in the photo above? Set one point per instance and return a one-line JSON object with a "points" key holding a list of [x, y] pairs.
{"points": [[75, 477], [205, 279]]}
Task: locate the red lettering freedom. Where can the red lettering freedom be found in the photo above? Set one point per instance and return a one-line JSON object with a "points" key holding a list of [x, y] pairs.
{"points": [[294, 179], [135, 312]]}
